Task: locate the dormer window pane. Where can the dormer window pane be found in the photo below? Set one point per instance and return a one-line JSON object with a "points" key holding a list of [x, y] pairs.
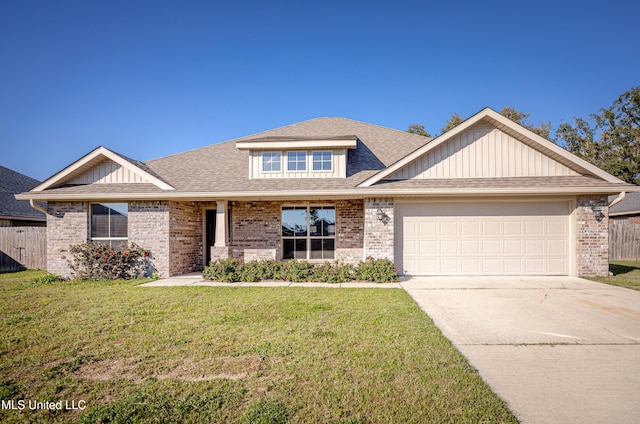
{"points": [[322, 161], [296, 161], [271, 162]]}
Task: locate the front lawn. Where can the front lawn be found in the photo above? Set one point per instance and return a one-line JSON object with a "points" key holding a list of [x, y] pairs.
{"points": [[229, 354], [625, 274]]}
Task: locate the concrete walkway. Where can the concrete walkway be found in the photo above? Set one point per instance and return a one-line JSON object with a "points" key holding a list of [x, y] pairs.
{"points": [[557, 349], [195, 279]]}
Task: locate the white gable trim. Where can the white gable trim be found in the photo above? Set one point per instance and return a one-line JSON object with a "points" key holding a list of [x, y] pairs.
{"points": [[101, 152], [499, 121]]}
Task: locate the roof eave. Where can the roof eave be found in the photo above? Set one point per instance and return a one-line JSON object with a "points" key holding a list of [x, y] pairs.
{"points": [[354, 192]]}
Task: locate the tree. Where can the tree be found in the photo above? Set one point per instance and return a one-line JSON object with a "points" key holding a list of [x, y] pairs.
{"points": [[542, 129], [453, 121], [418, 129], [617, 150]]}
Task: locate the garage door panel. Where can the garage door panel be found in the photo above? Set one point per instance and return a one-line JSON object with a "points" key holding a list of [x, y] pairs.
{"points": [[484, 238], [491, 228], [491, 247]]}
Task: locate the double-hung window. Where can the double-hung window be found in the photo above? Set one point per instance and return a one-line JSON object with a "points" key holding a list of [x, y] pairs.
{"points": [[109, 223], [308, 232], [322, 161], [296, 161], [271, 162]]}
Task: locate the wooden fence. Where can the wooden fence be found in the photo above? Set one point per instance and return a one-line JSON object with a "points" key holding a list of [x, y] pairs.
{"points": [[624, 242], [23, 247]]}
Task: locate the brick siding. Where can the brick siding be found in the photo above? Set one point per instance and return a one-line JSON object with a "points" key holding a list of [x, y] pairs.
{"points": [[378, 234], [67, 225], [592, 236], [256, 229]]}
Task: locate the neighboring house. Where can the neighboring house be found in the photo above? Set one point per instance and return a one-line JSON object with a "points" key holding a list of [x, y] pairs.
{"points": [[488, 197], [627, 210], [17, 213]]}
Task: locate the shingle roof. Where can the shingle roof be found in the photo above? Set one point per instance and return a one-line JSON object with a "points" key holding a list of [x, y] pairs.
{"points": [[222, 167], [630, 203], [12, 182], [222, 170]]}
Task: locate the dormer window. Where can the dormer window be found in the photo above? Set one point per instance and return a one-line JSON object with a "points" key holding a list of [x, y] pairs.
{"points": [[296, 161], [271, 162], [298, 157], [322, 161]]}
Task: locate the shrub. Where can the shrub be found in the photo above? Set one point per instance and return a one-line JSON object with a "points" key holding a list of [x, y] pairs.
{"points": [[231, 270], [377, 270], [269, 269], [98, 261], [296, 271], [227, 270], [332, 273]]}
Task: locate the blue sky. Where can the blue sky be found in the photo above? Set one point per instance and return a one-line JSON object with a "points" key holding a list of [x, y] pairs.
{"points": [[152, 78]]}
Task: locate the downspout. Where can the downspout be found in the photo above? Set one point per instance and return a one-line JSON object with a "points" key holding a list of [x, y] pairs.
{"points": [[37, 207], [618, 199]]}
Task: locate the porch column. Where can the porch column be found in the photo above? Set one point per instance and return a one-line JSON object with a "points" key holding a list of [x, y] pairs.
{"points": [[221, 224], [220, 248]]}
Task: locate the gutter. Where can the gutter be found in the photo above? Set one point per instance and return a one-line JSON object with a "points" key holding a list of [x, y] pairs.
{"points": [[350, 193], [37, 207], [618, 199]]}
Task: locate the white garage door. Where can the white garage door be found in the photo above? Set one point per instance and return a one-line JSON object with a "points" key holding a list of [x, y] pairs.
{"points": [[483, 238]]}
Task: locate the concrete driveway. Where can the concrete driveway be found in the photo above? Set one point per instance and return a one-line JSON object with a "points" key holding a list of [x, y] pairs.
{"points": [[556, 349]]}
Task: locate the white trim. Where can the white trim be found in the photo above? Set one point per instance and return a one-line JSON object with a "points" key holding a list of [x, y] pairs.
{"points": [[262, 163], [297, 144], [491, 114], [329, 194], [306, 161], [63, 175], [636, 212], [322, 161]]}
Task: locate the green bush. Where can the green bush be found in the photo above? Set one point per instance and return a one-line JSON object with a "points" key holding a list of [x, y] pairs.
{"points": [[377, 270], [232, 270], [296, 271], [98, 261], [227, 270]]}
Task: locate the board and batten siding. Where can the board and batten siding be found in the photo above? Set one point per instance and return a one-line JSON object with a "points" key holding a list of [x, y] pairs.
{"points": [[482, 151], [339, 165], [107, 172]]}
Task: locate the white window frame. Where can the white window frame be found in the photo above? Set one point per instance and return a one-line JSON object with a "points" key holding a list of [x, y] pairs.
{"points": [[297, 162], [322, 152], [263, 163], [107, 239]]}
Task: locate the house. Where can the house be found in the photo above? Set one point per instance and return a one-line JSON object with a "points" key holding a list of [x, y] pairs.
{"points": [[488, 197], [17, 213], [627, 210]]}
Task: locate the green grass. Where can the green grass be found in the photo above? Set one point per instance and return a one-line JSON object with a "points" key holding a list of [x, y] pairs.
{"points": [[229, 354], [625, 274]]}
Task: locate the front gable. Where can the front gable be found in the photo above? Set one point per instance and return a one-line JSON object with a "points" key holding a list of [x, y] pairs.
{"points": [[488, 145], [483, 151], [102, 166]]}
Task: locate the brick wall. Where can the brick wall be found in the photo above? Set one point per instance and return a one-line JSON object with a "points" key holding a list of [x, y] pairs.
{"points": [[592, 236], [149, 228], [67, 225], [256, 229], [255, 225], [172, 231], [185, 236], [378, 234], [350, 230]]}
